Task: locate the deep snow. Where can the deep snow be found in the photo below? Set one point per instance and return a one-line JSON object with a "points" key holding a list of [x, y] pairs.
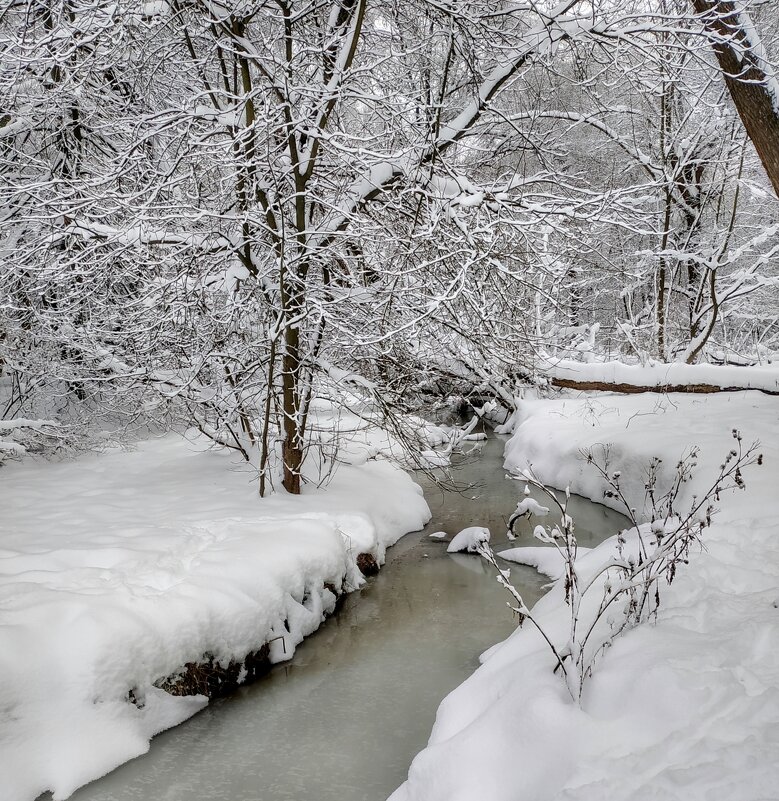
{"points": [[117, 569], [687, 708]]}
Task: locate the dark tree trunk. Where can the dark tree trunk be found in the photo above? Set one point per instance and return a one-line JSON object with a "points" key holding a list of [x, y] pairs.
{"points": [[291, 450], [746, 80]]}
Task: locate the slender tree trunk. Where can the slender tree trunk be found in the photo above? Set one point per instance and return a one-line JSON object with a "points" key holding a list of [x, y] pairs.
{"points": [[264, 449], [662, 278], [292, 446], [753, 91], [292, 453]]}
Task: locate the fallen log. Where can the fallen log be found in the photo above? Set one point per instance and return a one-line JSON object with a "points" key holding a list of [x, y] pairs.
{"points": [[661, 377], [605, 386]]}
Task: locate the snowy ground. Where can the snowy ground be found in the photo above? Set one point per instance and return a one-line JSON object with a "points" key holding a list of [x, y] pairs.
{"points": [[117, 569], [687, 708]]}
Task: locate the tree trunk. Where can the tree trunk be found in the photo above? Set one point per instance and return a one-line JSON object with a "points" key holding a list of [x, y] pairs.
{"points": [[291, 449], [753, 91]]}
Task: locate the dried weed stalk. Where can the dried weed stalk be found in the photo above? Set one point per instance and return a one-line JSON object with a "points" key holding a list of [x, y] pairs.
{"points": [[610, 597]]}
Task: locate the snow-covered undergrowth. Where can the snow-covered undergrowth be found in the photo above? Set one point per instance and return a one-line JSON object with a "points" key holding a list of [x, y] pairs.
{"points": [[337, 433], [357, 433], [117, 569], [685, 708]]}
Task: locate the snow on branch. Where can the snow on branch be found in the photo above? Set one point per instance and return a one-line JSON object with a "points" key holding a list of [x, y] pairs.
{"points": [[553, 28], [143, 234]]}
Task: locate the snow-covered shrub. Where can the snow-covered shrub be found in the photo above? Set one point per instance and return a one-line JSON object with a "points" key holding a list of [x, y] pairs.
{"points": [[21, 436], [617, 585]]}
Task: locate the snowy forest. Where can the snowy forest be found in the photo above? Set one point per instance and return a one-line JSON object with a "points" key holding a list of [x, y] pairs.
{"points": [[263, 260], [213, 213]]}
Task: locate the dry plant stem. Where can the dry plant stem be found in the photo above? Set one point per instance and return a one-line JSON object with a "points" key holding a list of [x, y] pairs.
{"points": [[568, 552], [634, 580], [521, 610]]}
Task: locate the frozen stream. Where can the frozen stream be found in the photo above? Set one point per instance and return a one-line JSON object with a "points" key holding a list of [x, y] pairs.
{"points": [[344, 719]]}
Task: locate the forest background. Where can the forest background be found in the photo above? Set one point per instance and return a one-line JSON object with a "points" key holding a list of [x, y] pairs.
{"points": [[213, 213]]}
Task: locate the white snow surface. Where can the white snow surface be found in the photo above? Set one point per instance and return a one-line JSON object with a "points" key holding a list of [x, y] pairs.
{"points": [[117, 569], [684, 709], [548, 561], [469, 539]]}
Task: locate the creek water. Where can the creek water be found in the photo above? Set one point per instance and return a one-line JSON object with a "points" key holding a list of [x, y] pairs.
{"points": [[343, 720]]}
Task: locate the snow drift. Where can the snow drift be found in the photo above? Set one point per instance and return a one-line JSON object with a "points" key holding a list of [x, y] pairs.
{"points": [[117, 569], [687, 708]]}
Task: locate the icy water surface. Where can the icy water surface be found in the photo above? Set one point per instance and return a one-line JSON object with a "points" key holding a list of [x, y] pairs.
{"points": [[344, 719]]}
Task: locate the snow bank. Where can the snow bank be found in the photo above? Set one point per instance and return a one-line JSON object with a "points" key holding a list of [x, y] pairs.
{"points": [[687, 708], [116, 570], [548, 561]]}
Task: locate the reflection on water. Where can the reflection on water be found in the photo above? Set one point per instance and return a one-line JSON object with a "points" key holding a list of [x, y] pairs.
{"points": [[344, 719]]}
